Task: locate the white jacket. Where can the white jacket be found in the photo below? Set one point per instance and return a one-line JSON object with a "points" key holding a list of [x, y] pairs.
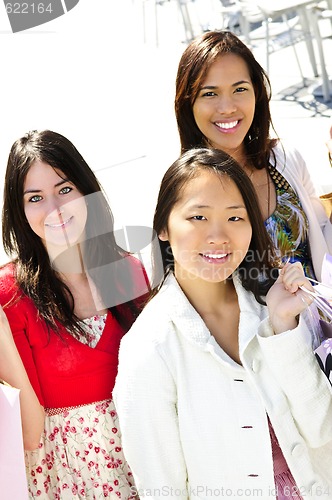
{"points": [[292, 166], [194, 423]]}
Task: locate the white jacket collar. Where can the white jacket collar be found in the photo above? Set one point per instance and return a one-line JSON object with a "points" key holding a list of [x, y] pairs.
{"points": [[190, 324]]}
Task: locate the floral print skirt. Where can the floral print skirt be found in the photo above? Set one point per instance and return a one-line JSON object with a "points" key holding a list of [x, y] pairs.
{"points": [[80, 456]]}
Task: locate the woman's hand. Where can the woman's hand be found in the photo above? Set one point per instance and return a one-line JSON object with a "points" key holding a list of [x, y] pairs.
{"points": [[285, 300]]}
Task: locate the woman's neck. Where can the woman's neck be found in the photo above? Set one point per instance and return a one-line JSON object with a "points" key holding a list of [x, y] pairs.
{"points": [[239, 154], [68, 260], [218, 306], [87, 299], [207, 297], [72, 272]]}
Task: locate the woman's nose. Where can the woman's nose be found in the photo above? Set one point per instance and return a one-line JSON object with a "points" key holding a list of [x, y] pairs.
{"points": [[217, 235], [226, 105], [54, 210]]}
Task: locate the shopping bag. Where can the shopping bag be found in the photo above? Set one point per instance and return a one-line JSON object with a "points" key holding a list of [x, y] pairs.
{"points": [[324, 357], [323, 301], [13, 483], [327, 270]]}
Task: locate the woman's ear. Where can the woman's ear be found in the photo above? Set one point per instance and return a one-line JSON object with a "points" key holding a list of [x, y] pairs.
{"points": [[163, 235]]}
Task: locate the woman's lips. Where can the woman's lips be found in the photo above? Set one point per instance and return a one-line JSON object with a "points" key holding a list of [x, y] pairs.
{"points": [[57, 225], [228, 127], [215, 258]]}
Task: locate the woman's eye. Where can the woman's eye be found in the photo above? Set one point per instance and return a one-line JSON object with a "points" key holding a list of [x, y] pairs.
{"points": [[199, 217], [35, 198], [65, 190], [209, 94], [240, 89], [235, 218]]}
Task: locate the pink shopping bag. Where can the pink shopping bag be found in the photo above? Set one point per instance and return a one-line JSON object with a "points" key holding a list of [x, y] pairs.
{"points": [[13, 483]]}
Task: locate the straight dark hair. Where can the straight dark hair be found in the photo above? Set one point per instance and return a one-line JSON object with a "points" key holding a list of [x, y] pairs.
{"points": [[258, 269], [34, 273], [194, 64]]}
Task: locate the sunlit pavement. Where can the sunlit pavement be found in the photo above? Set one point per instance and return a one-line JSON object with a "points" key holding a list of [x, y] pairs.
{"points": [[93, 76]]}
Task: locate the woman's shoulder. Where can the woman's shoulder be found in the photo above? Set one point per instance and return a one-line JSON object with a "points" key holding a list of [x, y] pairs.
{"points": [[286, 155], [7, 270], [136, 270], [167, 320], [132, 282], [154, 317], [134, 262], [154, 323], [8, 285]]}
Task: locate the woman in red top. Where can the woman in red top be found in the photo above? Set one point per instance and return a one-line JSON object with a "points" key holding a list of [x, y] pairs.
{"points": [[70, 293]]}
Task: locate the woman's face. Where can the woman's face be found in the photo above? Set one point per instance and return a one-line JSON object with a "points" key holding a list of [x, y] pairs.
{"points": [[55, 209], [208, 229], [225, 106]]}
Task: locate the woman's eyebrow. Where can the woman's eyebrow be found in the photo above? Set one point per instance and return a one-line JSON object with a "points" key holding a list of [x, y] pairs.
{"points": [[231, 207], [63, 181], [208, 87], [212, 87]]}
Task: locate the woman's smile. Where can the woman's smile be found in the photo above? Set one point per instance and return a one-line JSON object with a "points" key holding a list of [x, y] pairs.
{"points": [[215, 258], [62, 224], [228, 127]]}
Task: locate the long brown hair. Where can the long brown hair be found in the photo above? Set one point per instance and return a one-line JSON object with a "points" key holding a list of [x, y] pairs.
{"points": [[258, 269], [34, 272], [194, 64]]}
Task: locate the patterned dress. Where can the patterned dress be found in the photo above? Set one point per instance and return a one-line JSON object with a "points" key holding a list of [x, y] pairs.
{"points": [[80, 454], [288, 225]]}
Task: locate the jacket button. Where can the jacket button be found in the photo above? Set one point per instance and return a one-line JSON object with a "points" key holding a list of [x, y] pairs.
{"points": [[256, 365]]}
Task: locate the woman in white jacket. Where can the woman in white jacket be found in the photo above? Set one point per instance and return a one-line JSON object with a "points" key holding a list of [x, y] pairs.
{"points": [[219, 395]]}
